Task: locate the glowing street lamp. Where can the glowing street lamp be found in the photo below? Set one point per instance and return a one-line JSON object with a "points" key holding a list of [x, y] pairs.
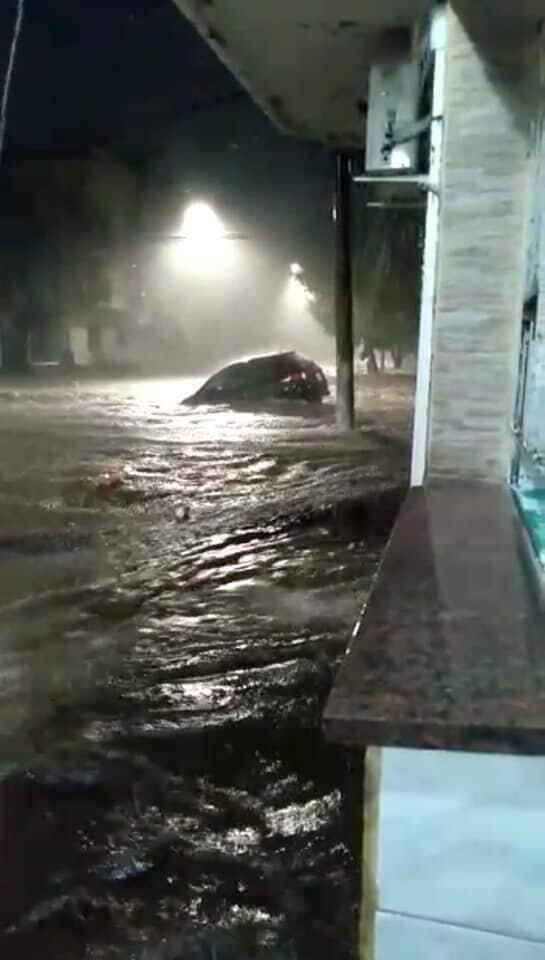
{"points": [[204, 236], [201, 224], [300, 294]]}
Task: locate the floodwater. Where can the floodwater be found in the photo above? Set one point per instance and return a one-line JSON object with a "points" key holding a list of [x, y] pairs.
{"points": [[177, 587]]}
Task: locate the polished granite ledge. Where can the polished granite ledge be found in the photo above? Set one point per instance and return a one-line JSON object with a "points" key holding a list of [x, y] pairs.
{"points": [[450, 651]]}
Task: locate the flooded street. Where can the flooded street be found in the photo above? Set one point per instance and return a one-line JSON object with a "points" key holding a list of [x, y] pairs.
{"points": [[177, 586]]}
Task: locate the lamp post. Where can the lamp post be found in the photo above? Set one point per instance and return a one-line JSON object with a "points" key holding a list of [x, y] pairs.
{"points": [[344, 334]]}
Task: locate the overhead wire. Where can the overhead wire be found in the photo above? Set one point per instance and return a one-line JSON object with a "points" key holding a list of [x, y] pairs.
{"points": [[17, 26]]}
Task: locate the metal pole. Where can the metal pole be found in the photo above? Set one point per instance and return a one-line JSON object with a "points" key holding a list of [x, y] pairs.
{"points": [[422, 399], [344, 333]]}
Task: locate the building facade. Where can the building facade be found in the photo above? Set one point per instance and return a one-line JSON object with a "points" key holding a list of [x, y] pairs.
{"points": [[442, 689]]}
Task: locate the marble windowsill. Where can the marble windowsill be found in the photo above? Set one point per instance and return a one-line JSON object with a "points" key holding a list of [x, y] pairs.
{"points": [[450, 652]]}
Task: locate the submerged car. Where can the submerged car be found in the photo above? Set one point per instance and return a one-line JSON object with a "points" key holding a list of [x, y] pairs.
{"points": [[278, 376]]}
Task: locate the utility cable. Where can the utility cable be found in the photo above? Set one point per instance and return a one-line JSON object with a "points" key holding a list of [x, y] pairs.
{"points": [[9, 72]]}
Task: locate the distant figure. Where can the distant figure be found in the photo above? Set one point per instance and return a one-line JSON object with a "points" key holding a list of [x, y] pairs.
{"points": [[67, 361], [367, 356]]}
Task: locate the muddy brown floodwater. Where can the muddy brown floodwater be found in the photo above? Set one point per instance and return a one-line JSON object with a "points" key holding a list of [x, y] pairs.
{"points": [[176, 589]]}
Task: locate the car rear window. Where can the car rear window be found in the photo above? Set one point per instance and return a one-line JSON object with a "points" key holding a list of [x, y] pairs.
{"points": [[227, 379], [275, 368]]}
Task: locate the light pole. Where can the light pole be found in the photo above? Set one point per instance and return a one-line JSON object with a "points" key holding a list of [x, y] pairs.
{"points": [[344, 334]]}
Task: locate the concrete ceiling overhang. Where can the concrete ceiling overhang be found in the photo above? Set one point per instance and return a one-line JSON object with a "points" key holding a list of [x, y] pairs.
{"points": [[305, 62]]}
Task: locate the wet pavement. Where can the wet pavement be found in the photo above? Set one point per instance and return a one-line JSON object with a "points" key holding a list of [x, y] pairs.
{"points": [[177, 587]]}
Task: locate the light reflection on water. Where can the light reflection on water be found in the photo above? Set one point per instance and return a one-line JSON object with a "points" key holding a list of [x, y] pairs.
{"points": [[162, 669]]}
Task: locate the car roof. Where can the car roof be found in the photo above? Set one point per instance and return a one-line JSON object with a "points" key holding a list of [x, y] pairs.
{"points": [[267, 357], [263, 359]]}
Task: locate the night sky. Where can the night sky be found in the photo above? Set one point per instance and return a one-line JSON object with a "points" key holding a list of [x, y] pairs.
{"points": [[109, 72], [134, 77]]}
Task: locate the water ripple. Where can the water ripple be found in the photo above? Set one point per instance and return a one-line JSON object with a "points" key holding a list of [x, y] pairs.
{"points": [[176, 588]]}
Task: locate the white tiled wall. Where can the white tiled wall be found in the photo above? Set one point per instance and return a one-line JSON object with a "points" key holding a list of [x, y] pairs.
{"points": [[401, 938], [481, 271], [461, 850]]}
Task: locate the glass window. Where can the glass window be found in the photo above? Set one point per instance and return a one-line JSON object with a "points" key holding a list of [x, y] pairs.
{"points": [[228, 379], [528, 469]]}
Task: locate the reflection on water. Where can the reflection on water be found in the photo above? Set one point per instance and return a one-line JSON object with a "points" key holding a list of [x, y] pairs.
{"points": [[176, 588]]}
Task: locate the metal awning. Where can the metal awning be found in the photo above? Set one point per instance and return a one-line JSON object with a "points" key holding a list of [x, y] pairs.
{"points": [[305, 61]]}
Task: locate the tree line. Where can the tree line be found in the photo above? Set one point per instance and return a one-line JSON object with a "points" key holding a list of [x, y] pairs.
{"points": [[387, 269], [67, 233]]}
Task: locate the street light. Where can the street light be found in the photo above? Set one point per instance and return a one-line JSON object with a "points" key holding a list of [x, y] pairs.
{"points": [[299, 293], [204, 238], [201, 224]]}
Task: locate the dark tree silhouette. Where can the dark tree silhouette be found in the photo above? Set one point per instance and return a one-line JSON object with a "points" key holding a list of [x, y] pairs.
{"points": [[68, 222]]}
